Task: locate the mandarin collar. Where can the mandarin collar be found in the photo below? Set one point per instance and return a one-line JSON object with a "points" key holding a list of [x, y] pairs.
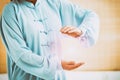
{"points": [[31, 5]]}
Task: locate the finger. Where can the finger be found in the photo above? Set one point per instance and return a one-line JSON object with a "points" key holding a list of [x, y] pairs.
{"points": [[71, 67], [66, 29], [62, 29], [71, 63], [72, 34], [72, 31], [79, 64]]}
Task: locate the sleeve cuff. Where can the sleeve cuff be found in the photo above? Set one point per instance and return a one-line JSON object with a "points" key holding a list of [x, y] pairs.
{"points": [[83, 29]]}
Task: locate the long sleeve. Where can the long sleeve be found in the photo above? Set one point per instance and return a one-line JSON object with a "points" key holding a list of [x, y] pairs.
{"points": [[85, 20], [12, 35]]}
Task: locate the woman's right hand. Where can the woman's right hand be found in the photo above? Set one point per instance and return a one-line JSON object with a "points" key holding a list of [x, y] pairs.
{"points": [[70, 65]]}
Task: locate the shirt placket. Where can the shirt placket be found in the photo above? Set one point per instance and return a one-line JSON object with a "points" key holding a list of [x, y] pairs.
{"points": [[40, 19]]}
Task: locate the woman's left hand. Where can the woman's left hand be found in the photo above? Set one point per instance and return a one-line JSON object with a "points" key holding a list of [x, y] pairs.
{"points": [[71, 31]]}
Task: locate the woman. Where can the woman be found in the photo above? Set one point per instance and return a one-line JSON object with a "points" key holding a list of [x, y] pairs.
{"points": [[31, 30]]}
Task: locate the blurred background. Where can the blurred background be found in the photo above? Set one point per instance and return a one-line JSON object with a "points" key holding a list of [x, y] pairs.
{"points": [[105, 54]]}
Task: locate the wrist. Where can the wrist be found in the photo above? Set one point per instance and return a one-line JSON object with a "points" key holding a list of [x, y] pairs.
{"points": [[79, 33]]}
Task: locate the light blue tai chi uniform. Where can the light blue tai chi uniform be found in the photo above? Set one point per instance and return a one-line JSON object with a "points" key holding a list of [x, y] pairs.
{"points": [[31, 36]]}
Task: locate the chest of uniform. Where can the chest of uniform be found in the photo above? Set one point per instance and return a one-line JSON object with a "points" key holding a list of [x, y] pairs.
{"points": [[41, 19]]}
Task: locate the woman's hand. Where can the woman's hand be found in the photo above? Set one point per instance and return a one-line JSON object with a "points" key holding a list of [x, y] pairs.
{"points": [[70, 65], [71, 31]]}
